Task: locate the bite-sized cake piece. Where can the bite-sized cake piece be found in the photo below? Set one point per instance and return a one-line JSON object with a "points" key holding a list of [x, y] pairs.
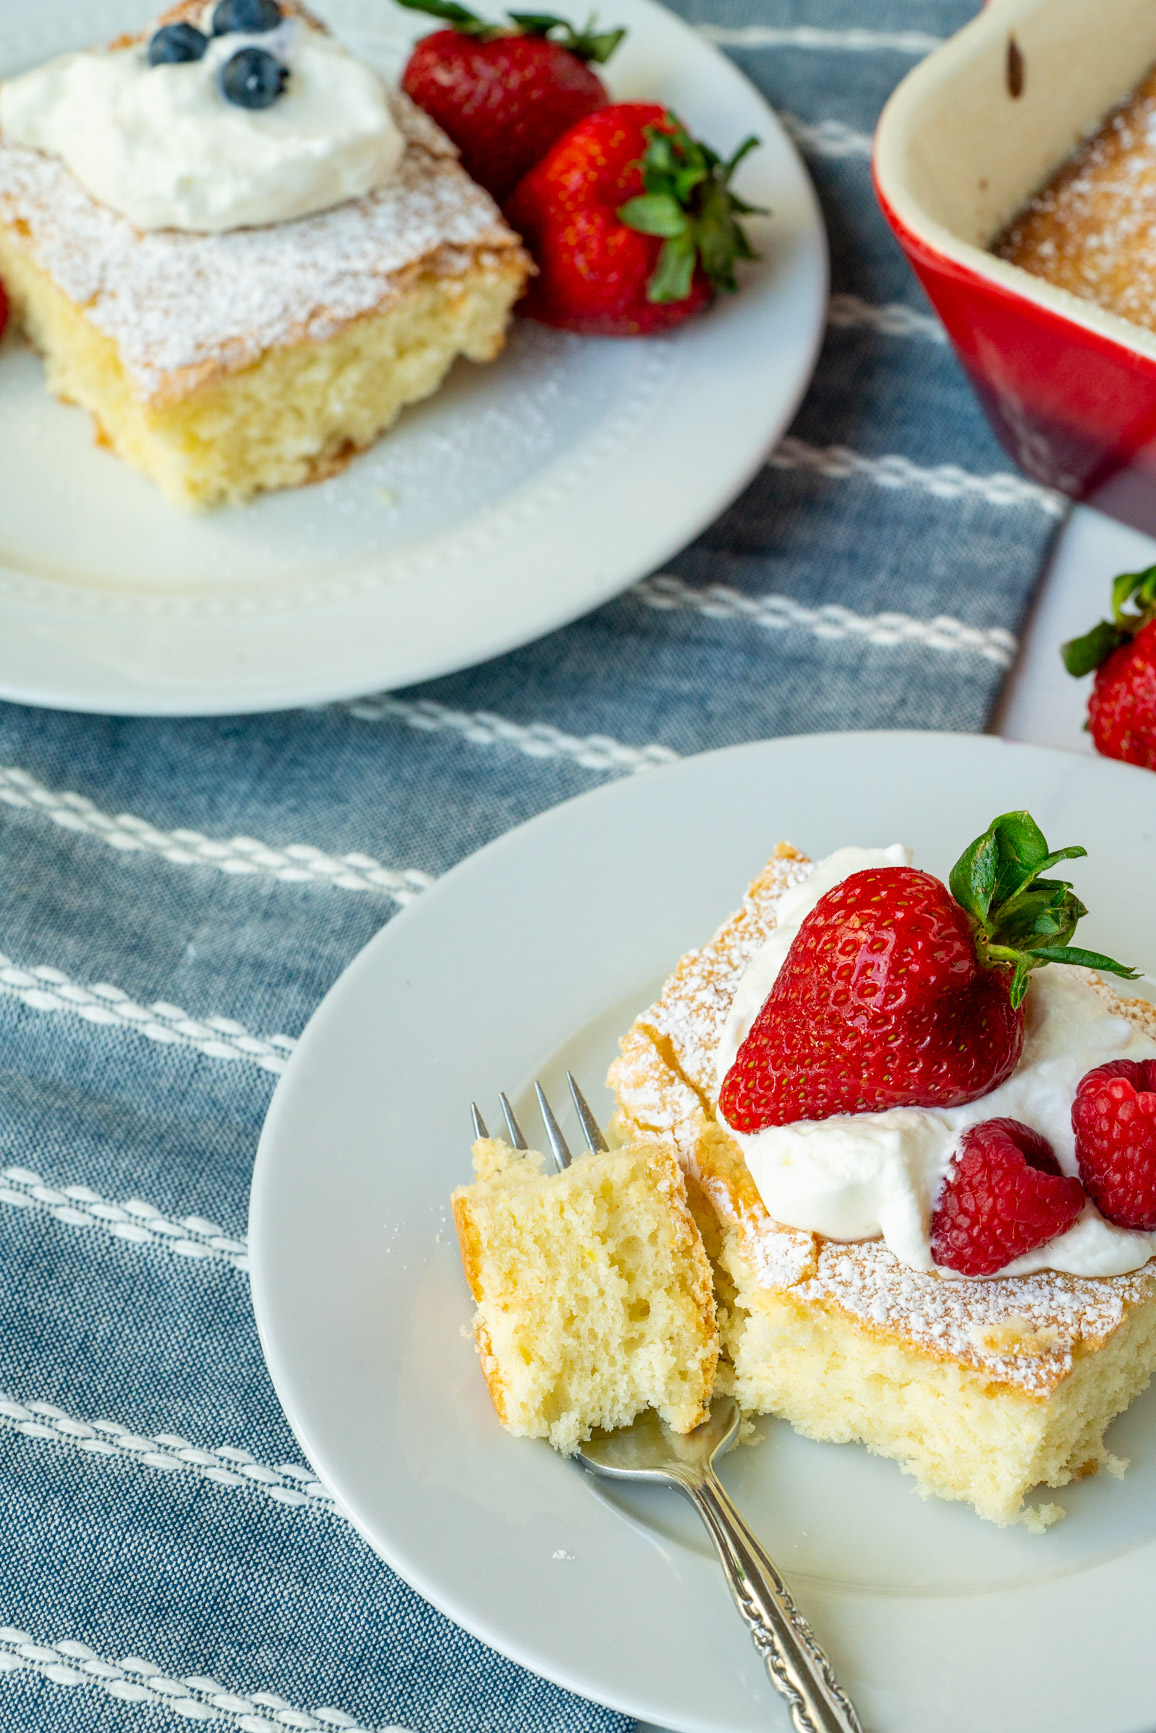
{"points": [[223, 363], [593, 1290], [1092, 228], [980, 1388]]}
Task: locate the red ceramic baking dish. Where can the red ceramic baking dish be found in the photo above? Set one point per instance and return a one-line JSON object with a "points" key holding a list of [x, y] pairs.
{"points": [[965, 140]]}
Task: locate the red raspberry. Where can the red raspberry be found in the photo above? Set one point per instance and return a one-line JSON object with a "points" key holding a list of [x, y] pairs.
{"points": [[1114, 1119], [1004, 1195]]}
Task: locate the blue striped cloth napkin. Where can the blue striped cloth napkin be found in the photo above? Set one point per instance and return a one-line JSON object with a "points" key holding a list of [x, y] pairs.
{"points": [[176, 897]]}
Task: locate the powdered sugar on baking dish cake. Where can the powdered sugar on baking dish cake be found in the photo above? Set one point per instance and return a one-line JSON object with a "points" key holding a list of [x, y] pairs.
{"points": [[185, 308]]}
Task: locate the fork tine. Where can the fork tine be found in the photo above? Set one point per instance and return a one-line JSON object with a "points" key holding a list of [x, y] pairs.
{"points": [[553, 1130], [512, 1126], [479, 1122], [590, 1126]]}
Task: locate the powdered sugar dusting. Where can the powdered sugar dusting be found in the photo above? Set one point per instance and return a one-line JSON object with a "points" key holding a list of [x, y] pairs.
{"points": [[1092, 229], [697, 997], [185, 308]]}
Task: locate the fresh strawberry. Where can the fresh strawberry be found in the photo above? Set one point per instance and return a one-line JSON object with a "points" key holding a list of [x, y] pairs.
{"points": [[896, 993], [1114, 1119], [631, 222], [505, 92], [1122, 650], [1004, 1195]]}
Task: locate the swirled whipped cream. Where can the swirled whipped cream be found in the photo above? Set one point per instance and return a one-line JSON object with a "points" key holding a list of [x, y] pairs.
{"points": [[161, 145], [864, 1175]]}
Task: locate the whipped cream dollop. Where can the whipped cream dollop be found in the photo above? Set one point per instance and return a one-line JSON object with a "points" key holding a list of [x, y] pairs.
{"points": [[864, 1175], [161, 145]]}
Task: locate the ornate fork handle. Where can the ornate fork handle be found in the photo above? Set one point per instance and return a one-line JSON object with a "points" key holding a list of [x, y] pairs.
{"points": [[797, 1665]]}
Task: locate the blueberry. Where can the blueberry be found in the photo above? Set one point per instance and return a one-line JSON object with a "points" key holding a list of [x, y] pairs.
{"points": [[252, 16], [252, 78], [174, 43]]}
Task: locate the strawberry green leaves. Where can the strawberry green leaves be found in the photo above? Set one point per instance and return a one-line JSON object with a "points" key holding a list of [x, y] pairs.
{"points": [[1084, 655], [1020, 919], [689, 203], [458, 17], [589, 43]]}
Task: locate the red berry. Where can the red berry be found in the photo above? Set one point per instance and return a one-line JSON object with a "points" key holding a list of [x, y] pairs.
{"points": [[881, 1002], [631, 222], [1004, 1195], [1114, 1119], [503, 100], [1122, 708]]}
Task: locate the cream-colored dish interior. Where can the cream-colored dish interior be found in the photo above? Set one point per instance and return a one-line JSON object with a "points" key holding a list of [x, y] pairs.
{"points": [[957, 155]]}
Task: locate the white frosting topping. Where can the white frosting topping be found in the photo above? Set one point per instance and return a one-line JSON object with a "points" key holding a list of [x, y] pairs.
{"points": [[162, 146], [858, 1176]]}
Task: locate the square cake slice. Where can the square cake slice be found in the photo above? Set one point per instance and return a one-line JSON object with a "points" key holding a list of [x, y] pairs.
{"points": [[226, 363], [593, 1291], [981, 1389]]}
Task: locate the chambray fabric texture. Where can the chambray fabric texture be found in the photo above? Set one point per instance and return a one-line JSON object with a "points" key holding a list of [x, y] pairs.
{"points": [[206, 1567]]}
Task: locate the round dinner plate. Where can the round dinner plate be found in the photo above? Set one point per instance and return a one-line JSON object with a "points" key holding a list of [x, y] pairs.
{"points": [[521, 495], [534, 955]]}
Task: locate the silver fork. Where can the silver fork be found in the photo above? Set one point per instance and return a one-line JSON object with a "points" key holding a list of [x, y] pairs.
{"points": [[648, 1450]]}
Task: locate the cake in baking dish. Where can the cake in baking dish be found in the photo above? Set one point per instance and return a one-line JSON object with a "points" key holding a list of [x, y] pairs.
{"points": [[1092, 228], [593, 1290], [980, 1388], [224, 363]]}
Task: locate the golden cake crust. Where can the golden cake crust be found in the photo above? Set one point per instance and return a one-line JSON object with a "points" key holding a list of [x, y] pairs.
{"points": [[185, 310], [1022, 1333]]}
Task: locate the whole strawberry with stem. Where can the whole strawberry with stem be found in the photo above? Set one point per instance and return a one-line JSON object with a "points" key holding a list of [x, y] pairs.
{"points": [[632, 223], [504, 92], [898, 992], [1122, 651]]}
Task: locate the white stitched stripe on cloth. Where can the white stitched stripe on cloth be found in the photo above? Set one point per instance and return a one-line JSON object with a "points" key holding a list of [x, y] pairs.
{"points": [[720, 602], [825, 137], [225, 1465], [807, 36], [134, 1220], [944, 480], [297, 863], [891, 317], [48, 989], [195, 1698], [535, 739]]}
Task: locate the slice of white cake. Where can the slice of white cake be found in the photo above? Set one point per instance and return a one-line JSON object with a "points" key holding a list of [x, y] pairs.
{"points": [[982, 1388], [222, 364], [593, 1291]]}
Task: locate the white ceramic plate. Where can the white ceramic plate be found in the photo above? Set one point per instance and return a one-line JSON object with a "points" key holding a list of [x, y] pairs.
{"points": [[522, 495], [534, 955]]}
